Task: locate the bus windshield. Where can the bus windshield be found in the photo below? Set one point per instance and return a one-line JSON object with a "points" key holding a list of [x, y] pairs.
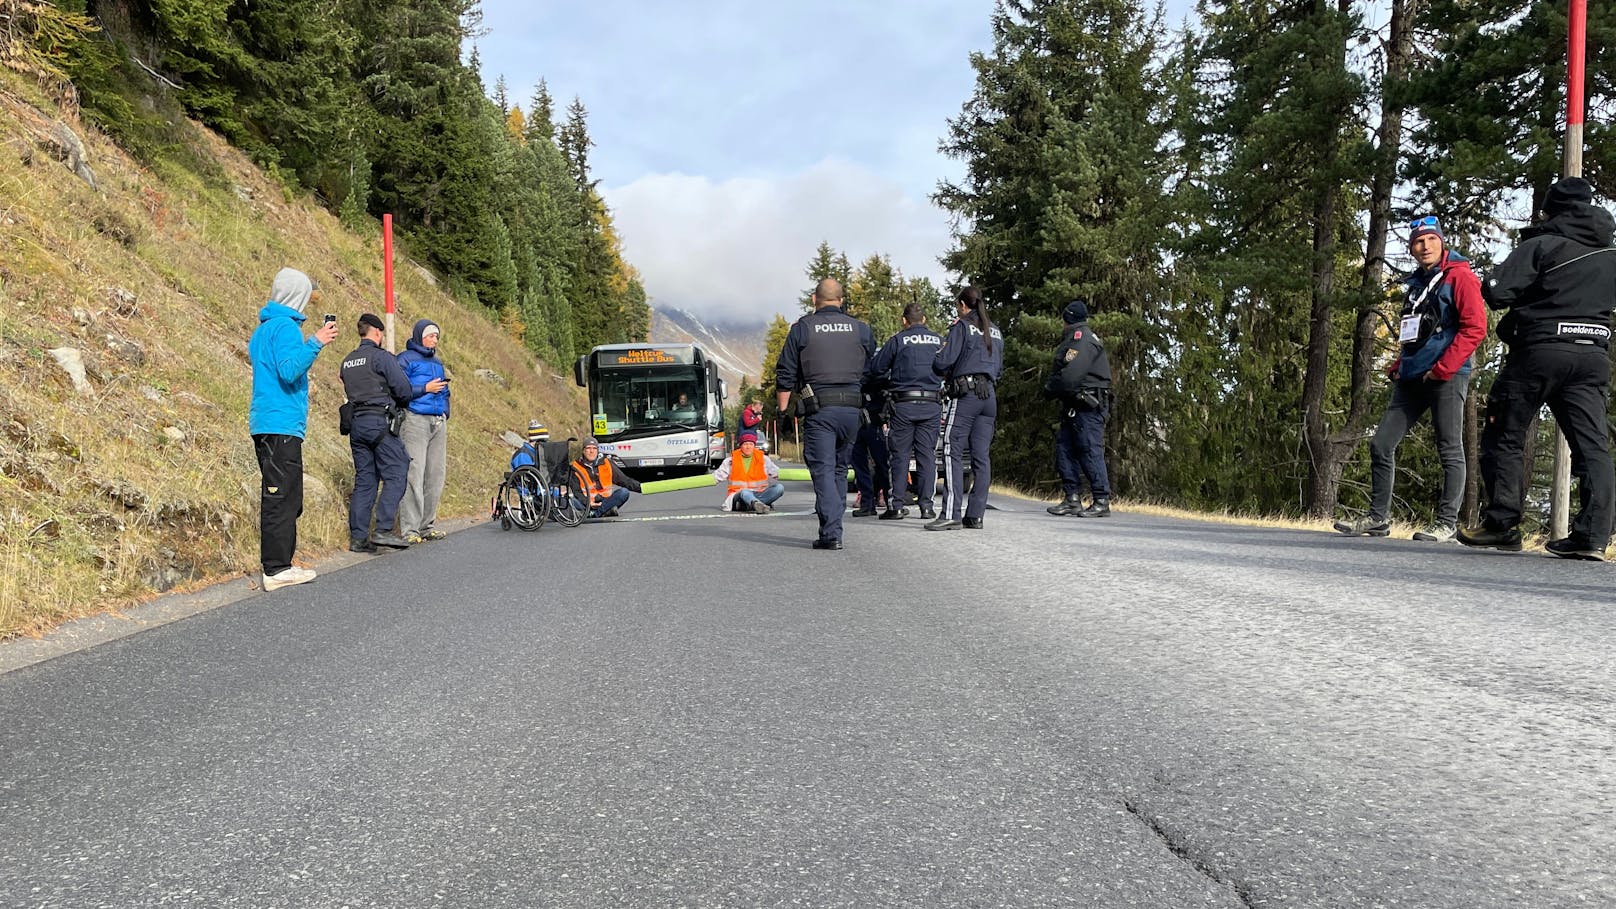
{"points": [[640, 398]]}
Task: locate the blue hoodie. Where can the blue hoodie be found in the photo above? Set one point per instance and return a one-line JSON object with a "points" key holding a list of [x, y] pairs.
{"points": [[281, 359], [422, 365]]}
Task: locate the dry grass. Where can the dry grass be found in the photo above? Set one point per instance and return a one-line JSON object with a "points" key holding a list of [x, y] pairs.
{"points": [[148, 481]]}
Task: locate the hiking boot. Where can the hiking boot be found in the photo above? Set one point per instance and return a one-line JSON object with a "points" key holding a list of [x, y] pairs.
{"points": [[287, 577], [1576, 547], [970, 523], [1440, 532], [1099, 508], [893, 514], [432, 536], [361, 546], [944, 524], [394, 541], [1071, 505], [1365, 526], [761, 508], [1485, 537]]}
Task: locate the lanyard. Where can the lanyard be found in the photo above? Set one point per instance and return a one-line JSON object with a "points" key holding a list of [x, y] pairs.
{"points": [[1435, 280]]}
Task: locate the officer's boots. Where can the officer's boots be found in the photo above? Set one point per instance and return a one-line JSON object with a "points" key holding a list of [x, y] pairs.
{"points": [[1099, 508], [1071, 505]]}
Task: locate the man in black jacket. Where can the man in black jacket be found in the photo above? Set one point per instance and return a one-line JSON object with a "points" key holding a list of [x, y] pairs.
{"points": [[1080, 378], [376, 388], [1559, 286]]}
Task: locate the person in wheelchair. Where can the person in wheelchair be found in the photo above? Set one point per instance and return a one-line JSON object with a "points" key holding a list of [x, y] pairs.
{"points": [[602, 483], [532, 452]]}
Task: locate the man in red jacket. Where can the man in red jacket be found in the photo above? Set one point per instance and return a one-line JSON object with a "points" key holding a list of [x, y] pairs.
{"points": [[1443, 319]]}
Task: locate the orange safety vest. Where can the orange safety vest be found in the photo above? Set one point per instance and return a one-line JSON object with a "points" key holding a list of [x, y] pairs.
{"points": [[597, 482], [755, 478]]}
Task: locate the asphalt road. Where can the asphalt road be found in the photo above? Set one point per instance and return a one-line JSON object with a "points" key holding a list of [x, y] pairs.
{"points": [[684, 708]]}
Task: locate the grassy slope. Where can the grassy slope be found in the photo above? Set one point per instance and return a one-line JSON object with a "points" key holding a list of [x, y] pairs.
{"points": [[97, 502]]}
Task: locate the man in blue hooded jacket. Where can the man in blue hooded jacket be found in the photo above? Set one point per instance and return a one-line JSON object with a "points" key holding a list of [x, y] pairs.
{"points": [[425, 434], [278, 418]]}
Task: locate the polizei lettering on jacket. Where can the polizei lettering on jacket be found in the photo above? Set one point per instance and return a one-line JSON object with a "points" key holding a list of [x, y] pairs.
{"points": [[834, 326], [355, 363], [922, 339]]}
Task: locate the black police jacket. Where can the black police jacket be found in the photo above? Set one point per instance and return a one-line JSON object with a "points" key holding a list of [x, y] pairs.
{"points": [[1080, 364], [904, 362], [826, 348], [1560, 283], [371, 376]]}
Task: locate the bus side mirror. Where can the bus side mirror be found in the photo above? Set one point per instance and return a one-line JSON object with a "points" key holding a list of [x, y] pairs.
{"points": [[580, 371]]}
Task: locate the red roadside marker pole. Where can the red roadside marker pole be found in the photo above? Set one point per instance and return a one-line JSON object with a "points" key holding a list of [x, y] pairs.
{"points": [[1576, 62], [387, 276]]}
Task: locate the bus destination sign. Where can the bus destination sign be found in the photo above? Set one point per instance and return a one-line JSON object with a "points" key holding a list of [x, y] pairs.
{"points": [[641, 357]]}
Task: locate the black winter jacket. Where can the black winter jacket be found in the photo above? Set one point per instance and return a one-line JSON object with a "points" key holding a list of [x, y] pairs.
{"points": [[1560, 283]]}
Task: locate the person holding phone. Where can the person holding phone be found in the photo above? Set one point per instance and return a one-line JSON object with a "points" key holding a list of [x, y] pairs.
{"points": [[278, 417], [425, 433]]}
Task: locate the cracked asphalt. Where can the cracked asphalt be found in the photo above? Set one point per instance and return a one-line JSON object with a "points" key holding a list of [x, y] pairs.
{"points": [[684, 708]]}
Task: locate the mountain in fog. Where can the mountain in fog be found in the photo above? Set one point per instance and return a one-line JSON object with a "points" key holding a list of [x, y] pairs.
{"points": [[736, 347]]}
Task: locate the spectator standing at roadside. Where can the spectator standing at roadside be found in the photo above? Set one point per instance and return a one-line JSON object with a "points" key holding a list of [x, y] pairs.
{"points": [[278, 418], [1442, 321], [1559, 286], [425, 434]]}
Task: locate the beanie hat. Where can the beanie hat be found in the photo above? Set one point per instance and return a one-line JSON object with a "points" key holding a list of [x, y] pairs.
{"points": [[291, 288], [747, 437], [1076, 312], [430, 329], [1565, 192], [537, 432], [372, 320], [1426, 226]]}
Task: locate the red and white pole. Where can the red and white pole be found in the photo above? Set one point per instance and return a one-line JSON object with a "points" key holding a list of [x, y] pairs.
{"points": [[387, 275], [1576, 63]]}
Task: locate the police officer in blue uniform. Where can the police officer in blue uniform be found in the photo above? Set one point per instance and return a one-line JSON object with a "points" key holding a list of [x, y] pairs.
{"points": [[823, 361], [377, 388], [871, 468], [914, 405], [1080, 379], [970, 360]]}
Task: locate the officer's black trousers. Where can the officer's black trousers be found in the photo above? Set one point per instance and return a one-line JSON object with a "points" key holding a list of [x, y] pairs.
{"points": [[912, 433], [968, 428], [381, 472], [1574, 380], [870, 445], [1080, 452], [280, 498], [827, 446]]}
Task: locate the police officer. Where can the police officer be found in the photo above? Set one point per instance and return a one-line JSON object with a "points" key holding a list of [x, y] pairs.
{"points": [[377, 388], [914, 404], [871, 468], [1559, 286], [1080, 379], [969, 362], [823, 361]]}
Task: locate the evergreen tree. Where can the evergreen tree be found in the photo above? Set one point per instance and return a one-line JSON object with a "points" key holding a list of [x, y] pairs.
{"points": [[541, 115]]}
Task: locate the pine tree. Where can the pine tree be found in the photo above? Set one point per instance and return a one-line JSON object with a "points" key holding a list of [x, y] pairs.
{"points": [[541, 115]]}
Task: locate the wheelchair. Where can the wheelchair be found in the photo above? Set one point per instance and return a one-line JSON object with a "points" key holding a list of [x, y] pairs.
{"points": [[563, 494], [522, 500]]}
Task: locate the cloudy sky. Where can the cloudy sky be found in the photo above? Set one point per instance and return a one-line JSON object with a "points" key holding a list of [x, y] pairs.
{"points": [[732, 137]]}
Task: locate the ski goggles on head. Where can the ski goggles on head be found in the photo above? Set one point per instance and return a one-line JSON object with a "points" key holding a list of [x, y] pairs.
{"points": [[1427, 221]]}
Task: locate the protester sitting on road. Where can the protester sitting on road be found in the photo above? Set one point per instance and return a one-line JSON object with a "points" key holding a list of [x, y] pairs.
{"points": [[753, 477], [532, 452], [603, 480]]}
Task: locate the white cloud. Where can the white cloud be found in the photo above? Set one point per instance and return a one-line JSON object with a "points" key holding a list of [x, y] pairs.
{"points": [[736, 249]]}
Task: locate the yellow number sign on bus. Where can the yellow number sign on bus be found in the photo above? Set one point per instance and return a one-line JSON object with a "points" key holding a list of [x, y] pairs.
{"points": [[599, 428]]}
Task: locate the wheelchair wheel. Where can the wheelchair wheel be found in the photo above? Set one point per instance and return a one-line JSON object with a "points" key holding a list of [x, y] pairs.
{"points": [[526, 505], [564, 508]]}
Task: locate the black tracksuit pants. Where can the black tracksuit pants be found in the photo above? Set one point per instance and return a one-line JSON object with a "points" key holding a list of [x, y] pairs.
{"points": [[1574, 380], [280, 499]]}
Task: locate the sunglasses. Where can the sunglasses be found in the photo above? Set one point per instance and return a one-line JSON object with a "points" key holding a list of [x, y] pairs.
{"points": [[1427, 221]]}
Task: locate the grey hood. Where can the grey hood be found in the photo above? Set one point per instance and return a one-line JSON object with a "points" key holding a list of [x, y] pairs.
{"points": [[292, 289]]}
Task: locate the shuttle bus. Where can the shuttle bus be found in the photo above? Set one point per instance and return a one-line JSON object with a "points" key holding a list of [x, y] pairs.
{"points": [[657, 407]]}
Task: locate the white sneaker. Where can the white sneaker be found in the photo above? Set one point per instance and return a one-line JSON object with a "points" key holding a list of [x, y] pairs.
{"points": [[1437, 533], [288, 577]]}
